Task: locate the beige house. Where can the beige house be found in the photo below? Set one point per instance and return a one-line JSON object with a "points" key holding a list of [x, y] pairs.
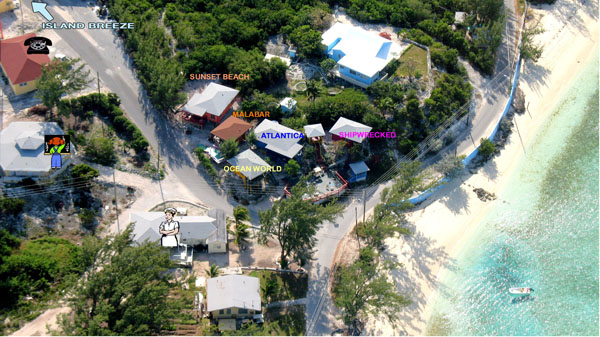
{"points": [[233, 297]]}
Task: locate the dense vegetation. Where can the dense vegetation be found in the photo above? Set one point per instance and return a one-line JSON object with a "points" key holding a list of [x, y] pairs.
{"points": [[425, 19], [32, 268], [213, 37], [100, 150], [125, 291]]}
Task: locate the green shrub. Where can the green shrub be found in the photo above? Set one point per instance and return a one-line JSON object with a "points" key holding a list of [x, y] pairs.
{"points": [[88, 218], [84, 172], [487, 148], [100, 150], [120, 123], [36, 267], [12, 206]]}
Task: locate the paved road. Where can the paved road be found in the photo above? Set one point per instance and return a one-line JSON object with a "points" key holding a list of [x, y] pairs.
{"points": [[320, 311], [104, 53]]}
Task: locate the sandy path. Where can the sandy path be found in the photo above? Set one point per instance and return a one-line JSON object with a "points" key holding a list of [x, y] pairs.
{"points": [[40, 325], [444, 222]]}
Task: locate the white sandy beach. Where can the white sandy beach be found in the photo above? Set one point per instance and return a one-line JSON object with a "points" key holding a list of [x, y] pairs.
{"points": [[444, 222]]}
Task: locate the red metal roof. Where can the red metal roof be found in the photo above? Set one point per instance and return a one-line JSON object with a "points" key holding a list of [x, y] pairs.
{"points": [[19, 66]]}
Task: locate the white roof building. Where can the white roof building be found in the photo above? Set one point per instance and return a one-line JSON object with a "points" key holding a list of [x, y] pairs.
{"points": [[459, 17], [314, 130], [250, 164], [233, 291], [22, 149], [213, 100], [288, 104], [287, 147], [358, 49], [345, 126], [193, 230]]}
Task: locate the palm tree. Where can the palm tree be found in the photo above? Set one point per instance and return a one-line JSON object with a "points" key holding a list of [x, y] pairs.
{"points": [[241, 234], [271, 288], [313, 89], [240, 213], [213, 271]]}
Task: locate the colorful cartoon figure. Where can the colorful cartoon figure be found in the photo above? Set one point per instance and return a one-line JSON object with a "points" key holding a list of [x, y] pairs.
{"points": [[57, 144], [169, 229]]}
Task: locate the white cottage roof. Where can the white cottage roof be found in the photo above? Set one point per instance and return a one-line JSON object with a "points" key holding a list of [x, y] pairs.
{"points": [[22, 146], [346, 125], [314, 130], [214, 99], [250, 160], [288, 147], [146, 226], [233, 291]]}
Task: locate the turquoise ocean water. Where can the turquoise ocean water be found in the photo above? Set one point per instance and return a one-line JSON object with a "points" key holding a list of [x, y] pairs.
{"points": [[543, 234]]}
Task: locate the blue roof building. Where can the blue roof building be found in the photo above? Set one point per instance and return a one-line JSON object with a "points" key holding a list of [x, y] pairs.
{"points": [[361, 55]]}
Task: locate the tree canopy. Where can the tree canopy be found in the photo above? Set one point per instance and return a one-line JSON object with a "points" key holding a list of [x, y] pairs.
{"points": [[293, 222], [60, 78], [125, 291]]}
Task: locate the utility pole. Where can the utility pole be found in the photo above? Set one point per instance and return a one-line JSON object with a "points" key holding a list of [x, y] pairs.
{"points": [[356, 227], [98, 78], [116, 201], [364, 197], [22, 22]]}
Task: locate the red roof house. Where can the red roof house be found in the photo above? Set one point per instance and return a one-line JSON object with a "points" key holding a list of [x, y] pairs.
{"points": [[22, 69]]}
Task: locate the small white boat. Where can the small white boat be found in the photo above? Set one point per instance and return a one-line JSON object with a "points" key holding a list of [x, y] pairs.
{"points": [[522, 291]]}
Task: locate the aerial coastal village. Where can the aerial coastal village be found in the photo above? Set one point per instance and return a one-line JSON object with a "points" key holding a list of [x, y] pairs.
{"points": [[289, 168]]}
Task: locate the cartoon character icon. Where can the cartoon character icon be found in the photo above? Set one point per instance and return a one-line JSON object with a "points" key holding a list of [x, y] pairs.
{"points": [[169, 229], [57, 145], [38, 45]]}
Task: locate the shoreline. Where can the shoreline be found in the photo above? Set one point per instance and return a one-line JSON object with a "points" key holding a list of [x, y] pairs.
{"points": [[447, 220]]}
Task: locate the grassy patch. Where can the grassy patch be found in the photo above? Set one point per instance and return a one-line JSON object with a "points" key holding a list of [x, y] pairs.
{"points": [[290, 286], [413, 62], [291, 320]]}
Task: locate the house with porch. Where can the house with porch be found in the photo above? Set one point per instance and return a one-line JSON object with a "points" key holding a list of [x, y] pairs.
{"points": [[360, 55], [345, 128], [211, 105], [250, 165], [232, 128], [22, 151], [22, 70], [208, 231], [279, 139], [231, 298]]}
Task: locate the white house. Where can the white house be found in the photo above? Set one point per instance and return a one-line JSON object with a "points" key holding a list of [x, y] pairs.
{"points": [[361, 55], [22, 150], [314, 130], [209, 230], [212, 104], [345, 128], [250, 164], [233, 296], [278, 138]]}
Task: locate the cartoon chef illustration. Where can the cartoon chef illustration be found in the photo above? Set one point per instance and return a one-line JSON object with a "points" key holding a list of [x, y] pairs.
{"points": [[169, 229]]}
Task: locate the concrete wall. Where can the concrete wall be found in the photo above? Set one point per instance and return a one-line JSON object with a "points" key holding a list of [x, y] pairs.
{"points": [[217, 247], [232, 313]]}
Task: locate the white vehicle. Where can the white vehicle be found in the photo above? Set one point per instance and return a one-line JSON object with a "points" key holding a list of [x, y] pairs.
{"points": [[16, 4]]}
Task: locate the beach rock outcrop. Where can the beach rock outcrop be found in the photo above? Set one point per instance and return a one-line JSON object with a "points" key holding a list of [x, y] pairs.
{"points": [[484, 195], [518, 103]]}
